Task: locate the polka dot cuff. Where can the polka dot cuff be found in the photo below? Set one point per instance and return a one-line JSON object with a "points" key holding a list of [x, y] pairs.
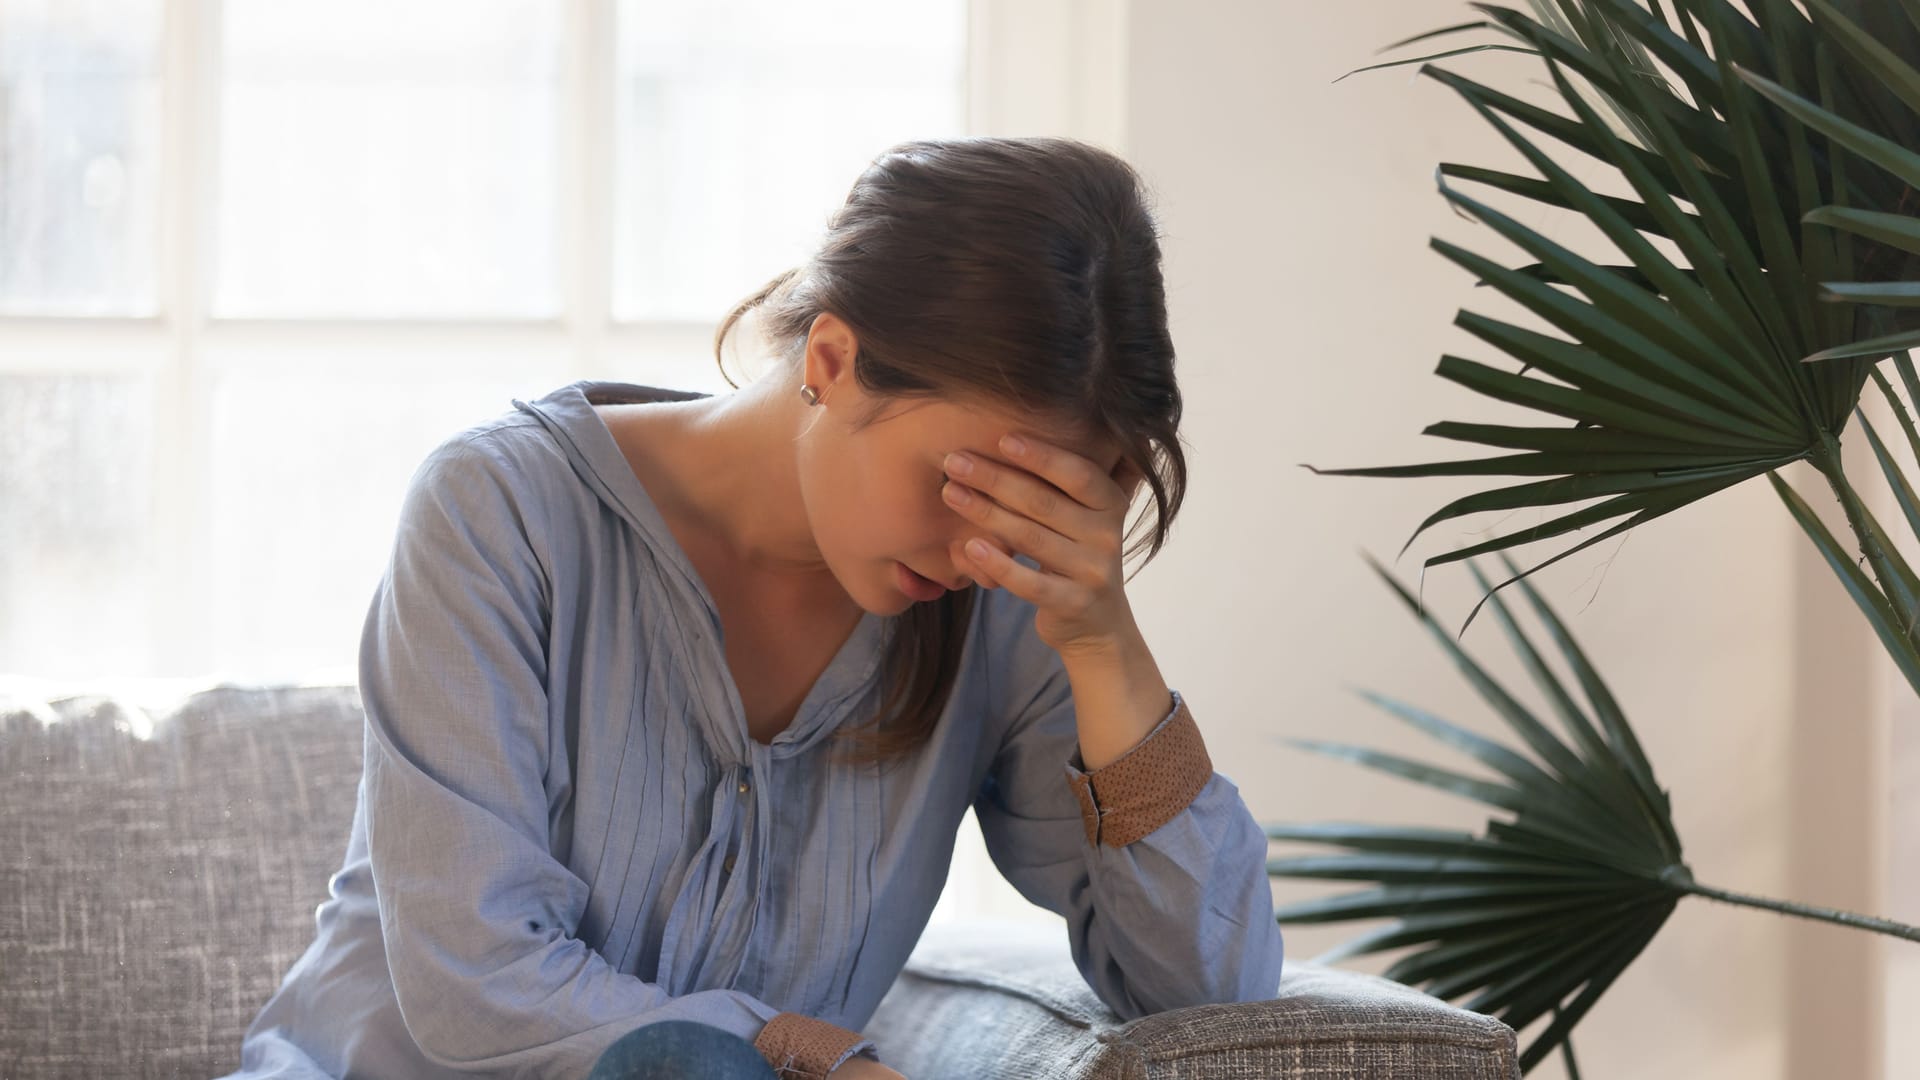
{"points": [[1146, 787], [806, 1048]]}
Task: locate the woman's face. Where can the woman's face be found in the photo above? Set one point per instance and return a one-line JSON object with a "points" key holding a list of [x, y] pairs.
{"points": [[873, 497]]}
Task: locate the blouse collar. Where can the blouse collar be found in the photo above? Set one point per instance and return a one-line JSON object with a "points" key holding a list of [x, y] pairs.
{"points": [[601, 464]]}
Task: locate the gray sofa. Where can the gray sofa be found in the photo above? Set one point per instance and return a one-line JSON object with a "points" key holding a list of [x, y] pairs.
{"points": [[161, 860]]}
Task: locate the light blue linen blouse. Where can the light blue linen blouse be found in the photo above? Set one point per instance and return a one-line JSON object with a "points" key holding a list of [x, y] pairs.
{"points": [[564, 831]]}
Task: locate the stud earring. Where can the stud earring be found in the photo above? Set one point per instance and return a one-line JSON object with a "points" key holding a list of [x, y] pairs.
{"points": [[809, 394]]}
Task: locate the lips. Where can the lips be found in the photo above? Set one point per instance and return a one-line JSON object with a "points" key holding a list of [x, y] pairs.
{"points": [[916, 587]]}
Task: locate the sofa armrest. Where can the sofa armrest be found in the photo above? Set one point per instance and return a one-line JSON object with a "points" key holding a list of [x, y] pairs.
{"points": [[989, 999]]}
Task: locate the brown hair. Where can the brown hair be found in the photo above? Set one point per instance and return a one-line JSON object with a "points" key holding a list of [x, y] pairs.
{"points": [[1018, 273]]}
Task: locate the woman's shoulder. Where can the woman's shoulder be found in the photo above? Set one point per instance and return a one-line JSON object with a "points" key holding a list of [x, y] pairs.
{"points": [[511, 442], [511, 452], [504, 478]]}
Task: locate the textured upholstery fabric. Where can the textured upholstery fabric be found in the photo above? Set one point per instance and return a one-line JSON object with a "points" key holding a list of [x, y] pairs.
{"points": [[153, 890], [1019, 982], [160, 867]]}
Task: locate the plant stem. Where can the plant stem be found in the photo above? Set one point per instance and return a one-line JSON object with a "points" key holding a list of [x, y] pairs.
{"points": [[1827, 461], [1806, 911], [1566, 1050]]}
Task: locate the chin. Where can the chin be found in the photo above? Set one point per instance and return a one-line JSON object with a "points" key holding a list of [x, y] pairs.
{"points": [[875, 594], [890, 603]]}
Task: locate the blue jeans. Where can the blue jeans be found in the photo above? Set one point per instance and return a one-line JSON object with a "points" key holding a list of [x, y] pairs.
{"points": [[681, 1050]]}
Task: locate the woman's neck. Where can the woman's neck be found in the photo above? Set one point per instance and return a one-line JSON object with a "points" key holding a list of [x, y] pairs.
{"points": [[731, 473]]}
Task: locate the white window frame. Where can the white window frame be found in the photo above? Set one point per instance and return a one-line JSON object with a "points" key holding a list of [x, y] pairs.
{"points": [[1033, 67]]}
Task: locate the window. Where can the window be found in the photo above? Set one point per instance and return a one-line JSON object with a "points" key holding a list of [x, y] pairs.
{"points": [[382, 160], [79, 157], [258, 256]]}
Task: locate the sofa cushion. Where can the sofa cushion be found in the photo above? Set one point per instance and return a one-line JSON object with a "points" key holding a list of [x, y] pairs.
{"points": [[161, 865], [1019, 981]]}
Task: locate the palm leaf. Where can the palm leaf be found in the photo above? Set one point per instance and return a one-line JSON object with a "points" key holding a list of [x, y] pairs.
{"points": [[1894, 238], [1536, 916], [1894, 630], [1687, 370], [1525, 916]]}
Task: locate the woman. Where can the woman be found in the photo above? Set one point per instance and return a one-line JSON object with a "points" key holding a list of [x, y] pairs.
{"points": [[675, 701]]}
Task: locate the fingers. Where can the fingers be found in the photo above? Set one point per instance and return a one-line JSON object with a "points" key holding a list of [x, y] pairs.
{"points": [[1027, 495], [1020, 533], [1067, 471], [971, 567], [1043, 589]]}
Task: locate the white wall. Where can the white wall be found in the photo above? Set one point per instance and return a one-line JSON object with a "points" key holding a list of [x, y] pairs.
{"points": [[1309, 314]]}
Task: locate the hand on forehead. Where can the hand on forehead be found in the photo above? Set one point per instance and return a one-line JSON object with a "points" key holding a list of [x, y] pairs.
{"points": [[1102, 450], [978, 429], [1051, 458]]}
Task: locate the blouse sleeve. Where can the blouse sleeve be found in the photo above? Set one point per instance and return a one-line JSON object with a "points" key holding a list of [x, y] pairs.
{"points": [[1153, 859], [477, 916]]}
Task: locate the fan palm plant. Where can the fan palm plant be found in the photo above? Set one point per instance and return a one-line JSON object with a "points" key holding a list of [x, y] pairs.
{"points": [[1538, 914], [1796, 276], [1769, 264]]}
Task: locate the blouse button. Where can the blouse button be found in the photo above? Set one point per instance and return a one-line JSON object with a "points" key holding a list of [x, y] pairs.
{"points": [[743, 787], [728, 864]]}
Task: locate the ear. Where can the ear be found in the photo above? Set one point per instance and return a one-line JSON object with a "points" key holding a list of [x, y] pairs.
{"points": [[830, 350]]}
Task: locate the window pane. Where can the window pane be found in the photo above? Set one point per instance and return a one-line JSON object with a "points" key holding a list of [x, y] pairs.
{"points": [[387, 159], [79, 156], [742, 123], [308, 475], [76, 464]]}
